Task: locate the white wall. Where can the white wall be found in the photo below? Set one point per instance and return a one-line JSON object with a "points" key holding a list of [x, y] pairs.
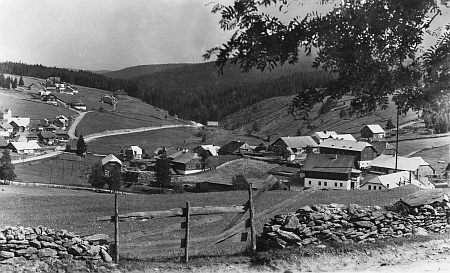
{"points": [[330, 184]]}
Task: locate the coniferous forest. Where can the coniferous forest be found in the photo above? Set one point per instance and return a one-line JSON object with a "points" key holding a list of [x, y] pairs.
{"points": [[191, 91]]}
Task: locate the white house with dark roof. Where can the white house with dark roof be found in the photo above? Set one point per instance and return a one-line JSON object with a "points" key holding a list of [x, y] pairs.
{"points": [[295, 145], [24, 147], [110, 162], [133, 152], [331, 171], [373, 131], [212, 150]]}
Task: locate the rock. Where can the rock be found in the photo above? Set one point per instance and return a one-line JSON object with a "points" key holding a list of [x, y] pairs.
{"points": [[420, 231], [105, 256], [292, 223], [49, 245], [47, 252], [6, 254], [35, 243], [364, 224], [44, 238], [272, 228], [305, 209], [289, 236], [75, 250], [2, 236]]}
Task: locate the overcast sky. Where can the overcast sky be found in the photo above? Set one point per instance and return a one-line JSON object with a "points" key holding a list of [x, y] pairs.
{"points": [[109, 34]]}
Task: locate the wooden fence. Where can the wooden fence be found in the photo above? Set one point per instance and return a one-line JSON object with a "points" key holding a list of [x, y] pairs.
{"points": [[237, 230]]}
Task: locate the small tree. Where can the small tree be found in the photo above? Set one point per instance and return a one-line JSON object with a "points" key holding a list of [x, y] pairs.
{"points": [[390, 124], [239, 182], [14, 83], [21, 83], [97, 177], [7, 168], [114, 179], [255, 127], [343, 113], [81, 147], [163, 176], [204, 160]]}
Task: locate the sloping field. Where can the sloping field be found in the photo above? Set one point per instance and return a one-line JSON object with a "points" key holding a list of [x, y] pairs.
{"points": [[77, 211], [274, 119]]}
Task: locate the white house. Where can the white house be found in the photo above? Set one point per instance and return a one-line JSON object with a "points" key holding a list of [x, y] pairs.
{"points": [[24, 147], [211, 149], [394, 180], [133, 152], [372, 131], [321, 136], [385, 164]]}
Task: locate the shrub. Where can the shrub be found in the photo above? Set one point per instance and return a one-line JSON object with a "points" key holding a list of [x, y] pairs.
{"points": [[239, 182]]}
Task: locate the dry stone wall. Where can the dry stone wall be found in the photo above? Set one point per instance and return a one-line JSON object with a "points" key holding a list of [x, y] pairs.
{"points": [[41, 242], [350, 223]]}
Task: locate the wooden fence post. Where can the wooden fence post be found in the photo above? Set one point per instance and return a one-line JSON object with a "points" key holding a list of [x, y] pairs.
{"points": [[252, 226], [116, 229], [186, 238]]}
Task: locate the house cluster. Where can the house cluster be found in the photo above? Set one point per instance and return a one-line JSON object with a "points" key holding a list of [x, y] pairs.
{"points": [[24, 135], [325, 160], [55, 85]]}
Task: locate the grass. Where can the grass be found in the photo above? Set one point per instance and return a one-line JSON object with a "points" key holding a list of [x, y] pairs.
{"points": [[77, 211], [66, 169], [406, 147], [434, 155]]}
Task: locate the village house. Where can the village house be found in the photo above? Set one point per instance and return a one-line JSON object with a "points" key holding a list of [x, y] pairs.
{"points": [[382, 147], [78, 105], [51, 128], [47, 137], [363, 151], [72, 88], [110, 162], [20, 124], [133, 152], [394, 180], [6, 130], [331, 171], [107, 99], [212, 123], [62, 136], [321, 136], [235, 147], [385, 164], [187, 163], [120, 92], [24, 147], [373, 131], [25, 137], [294, 145], [50, 99], [211, 150]]}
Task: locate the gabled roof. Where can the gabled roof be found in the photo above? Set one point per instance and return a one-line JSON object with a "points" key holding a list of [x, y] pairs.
{"points": [[324, 134], [32, 145], [110, 158], [62, 117], [344, 137], [23, 122], [403, 163], [297, 142], [185, 157], [135, 148], [5, 126], [210, 148], [375, 128], [329, 163], [233, 146], [344, 144]]}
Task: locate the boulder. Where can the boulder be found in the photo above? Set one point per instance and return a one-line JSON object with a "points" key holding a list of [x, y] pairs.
{"points": [[6, 254], [292, 223], [288, 236], [47, 252], [105, 256], [364, 224]]}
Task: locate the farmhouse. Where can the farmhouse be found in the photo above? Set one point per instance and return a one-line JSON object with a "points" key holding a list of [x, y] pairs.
{"points": [[331, 171], [394, 180], [187, 163], [50, 99], [109, 163], [297, 144], [133, 152], [78, 105], [385, 164], [107, 99], [235, 147], [51, 128], [62, 135], [120, 92], [59, 123], [321, 136], [47, 137], [24, 147], [211, 150], [372, 131], [6, 130], [363, 151], [20, 124]]}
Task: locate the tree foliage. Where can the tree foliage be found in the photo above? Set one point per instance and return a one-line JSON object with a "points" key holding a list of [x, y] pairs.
{"points": [[239, 182], [6, 167], [163, 176], [97, 177], [390, 124], [81, 146], [114, 179], [371, 47]]}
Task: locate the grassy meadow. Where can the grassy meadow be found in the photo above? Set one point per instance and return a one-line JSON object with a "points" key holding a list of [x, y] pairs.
{"points": [[77, 210], [434, 155]]}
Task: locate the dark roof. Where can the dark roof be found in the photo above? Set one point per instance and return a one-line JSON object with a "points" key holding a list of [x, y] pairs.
{"points": [[121, 92], [232, 146], [329, 163], [379, 146], [297, 141], [184, 158]]}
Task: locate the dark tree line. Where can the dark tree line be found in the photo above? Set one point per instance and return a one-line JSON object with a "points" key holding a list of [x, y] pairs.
{"points": [[196, 92]]}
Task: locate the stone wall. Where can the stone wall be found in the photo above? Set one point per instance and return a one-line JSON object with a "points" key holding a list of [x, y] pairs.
{"points": [[350, 223], [41, 242]]}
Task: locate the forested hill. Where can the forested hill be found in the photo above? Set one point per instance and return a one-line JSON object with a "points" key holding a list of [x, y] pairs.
{"points": [[192, 91], [140, 70]]}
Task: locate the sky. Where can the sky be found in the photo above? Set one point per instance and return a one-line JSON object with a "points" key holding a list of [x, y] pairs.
{"points": [[110, 34]]}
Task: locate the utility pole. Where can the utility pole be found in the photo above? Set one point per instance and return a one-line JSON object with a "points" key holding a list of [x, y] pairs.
{"points": [[396, 142]]}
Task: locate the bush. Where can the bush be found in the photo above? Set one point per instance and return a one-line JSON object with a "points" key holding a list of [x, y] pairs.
{"points": [[239, 182], [178, 188]]}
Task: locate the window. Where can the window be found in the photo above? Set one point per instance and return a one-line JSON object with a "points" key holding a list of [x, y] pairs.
{"points": [[370, 187], [335, 184], [387, 186], [341, 185], [325, 183], [320, 183], [379, 187], [309, 182]]}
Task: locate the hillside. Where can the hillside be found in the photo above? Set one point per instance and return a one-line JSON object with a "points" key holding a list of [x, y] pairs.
{"points": [[140, 70], [273, 118]]}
